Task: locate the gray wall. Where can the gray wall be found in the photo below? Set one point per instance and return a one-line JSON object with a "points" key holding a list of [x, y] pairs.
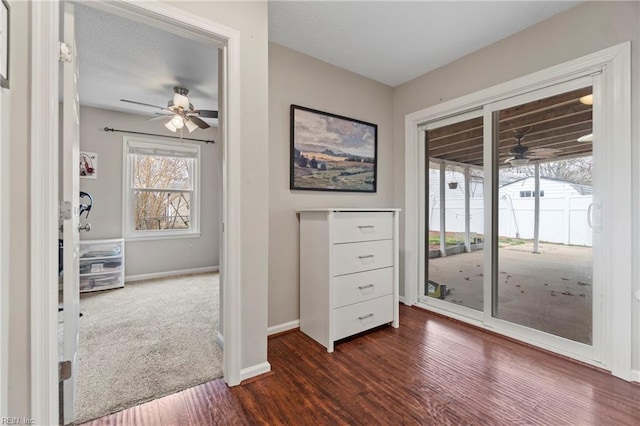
{"points": [[295, 78], [19, 215], [151, 256], [582, 30]]}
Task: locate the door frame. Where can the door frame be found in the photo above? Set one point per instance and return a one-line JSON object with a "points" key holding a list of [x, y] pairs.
{"points": [[5, 122], [44, 187], [615, 116]]}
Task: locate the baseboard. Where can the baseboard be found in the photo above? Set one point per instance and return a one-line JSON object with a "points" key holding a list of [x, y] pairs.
{"points": [[220, 340], [141, 277], [283, 327], [635, 375], [401, 300], [254, 370]]}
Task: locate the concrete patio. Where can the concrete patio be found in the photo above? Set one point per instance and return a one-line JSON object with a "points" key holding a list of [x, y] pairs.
{"points": [[549, 291]]}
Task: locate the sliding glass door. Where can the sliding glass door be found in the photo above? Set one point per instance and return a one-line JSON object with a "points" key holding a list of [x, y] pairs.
{"points": [[543, 198], [510, 201], [454, 213]]}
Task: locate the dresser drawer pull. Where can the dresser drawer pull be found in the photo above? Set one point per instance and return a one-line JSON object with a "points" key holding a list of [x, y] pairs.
{"points": [[365, 226], [362, 287], [365, 317], [367, 256]]}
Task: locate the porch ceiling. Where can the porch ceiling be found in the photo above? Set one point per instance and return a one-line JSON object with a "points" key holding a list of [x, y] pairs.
{"points": [[552, 126]]}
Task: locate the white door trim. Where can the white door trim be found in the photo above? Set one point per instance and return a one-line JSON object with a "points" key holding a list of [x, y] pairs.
{"points": [[44, 212], [5, 121], [44, 191], [616, 126]]}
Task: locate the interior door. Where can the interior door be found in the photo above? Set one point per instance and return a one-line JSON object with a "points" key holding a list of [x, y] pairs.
{"points": [[70, 180]]}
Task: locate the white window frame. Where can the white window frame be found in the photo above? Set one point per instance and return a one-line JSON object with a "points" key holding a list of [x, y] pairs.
{"points": [[128, 202]]}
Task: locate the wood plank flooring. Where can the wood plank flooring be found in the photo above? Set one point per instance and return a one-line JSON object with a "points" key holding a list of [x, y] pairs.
{"points": [[431, 370]]}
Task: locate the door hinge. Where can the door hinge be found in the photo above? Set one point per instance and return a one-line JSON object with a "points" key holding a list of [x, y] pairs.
{"points": [[65, 53], [64, 371]]}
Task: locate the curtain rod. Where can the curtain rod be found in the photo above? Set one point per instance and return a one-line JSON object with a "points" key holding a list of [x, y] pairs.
{"points": [[111, 129]]}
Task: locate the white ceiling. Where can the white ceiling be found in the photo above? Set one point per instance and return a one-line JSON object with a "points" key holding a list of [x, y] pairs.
{"points": [[119, 58], [388, 41], [396, 41]]}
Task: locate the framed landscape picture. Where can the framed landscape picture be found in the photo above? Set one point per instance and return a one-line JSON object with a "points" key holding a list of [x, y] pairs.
{"points": [[332, 153]]}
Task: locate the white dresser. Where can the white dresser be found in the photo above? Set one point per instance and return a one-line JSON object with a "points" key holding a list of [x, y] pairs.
{"points": [[348, 272]]}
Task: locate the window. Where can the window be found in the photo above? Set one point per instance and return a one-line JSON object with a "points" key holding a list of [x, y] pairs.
{"points": [[161, 189], [529, 194]]}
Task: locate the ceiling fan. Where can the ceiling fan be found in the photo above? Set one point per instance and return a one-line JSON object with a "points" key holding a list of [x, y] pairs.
{"points": [[180, 112], [520, 154]]}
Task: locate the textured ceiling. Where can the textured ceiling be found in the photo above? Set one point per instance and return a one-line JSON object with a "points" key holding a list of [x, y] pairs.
{"points": [[119, 58], [396, 41]]}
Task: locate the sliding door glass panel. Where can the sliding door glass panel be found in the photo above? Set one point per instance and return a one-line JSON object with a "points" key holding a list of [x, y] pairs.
{"points": [[454, 213], [544, 191]]}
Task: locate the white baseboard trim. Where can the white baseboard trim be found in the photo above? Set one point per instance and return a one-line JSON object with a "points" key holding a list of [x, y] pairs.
{"points": [[635, 375], [142, 277], [283, 327], [254, 370], [401, 300], [220, 340]]}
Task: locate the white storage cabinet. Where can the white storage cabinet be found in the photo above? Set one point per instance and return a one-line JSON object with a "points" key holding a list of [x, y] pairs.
{"points": [[348, 272], [101, 264]]}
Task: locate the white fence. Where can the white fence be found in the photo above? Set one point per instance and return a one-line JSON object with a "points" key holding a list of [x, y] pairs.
{"points": [[563, 211]]}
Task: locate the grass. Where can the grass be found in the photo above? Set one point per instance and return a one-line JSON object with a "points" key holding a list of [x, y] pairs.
{"points": [[505, 241], [452, 239]]}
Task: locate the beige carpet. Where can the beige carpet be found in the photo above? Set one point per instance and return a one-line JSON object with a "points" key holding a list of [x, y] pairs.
{"points": [[146, 340]]}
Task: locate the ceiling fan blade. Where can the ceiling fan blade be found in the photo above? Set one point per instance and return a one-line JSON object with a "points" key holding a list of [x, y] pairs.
{"points": [[143, 104], [206, 113], [544, 152], [200, 123], [158, 116]]}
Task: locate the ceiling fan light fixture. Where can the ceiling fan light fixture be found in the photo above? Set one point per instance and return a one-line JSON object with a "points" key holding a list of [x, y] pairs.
{"points": [[177, 122], [586, 138], [180, 101], [587, 99], [518, 162], [191, 126], [169, 125]]}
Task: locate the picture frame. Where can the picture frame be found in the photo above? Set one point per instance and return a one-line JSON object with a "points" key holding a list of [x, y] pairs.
{"points": [[330, 152], [4, 43], [88, 165]]}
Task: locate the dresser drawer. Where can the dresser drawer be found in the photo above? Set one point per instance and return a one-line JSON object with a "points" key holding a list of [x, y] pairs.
{"points": [[100, 281], [363, 226], [356, 318], [360, 257], [355, 288]]}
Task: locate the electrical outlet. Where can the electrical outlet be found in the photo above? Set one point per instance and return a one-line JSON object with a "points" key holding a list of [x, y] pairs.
{"points": [[637, 294]]}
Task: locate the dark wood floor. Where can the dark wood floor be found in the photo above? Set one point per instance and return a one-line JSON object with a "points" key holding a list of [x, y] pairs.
{"points": [[429, 371]]}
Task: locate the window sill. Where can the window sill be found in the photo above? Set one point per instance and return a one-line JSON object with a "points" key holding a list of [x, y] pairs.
{"points": [[161, 236]]}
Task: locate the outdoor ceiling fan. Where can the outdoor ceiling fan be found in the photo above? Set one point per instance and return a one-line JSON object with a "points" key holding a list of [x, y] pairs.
{"points": [[520, 154], [180, 112]]}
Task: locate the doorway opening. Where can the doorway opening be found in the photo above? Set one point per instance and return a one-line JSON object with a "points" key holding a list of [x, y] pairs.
{"points": [[224, 38]]}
